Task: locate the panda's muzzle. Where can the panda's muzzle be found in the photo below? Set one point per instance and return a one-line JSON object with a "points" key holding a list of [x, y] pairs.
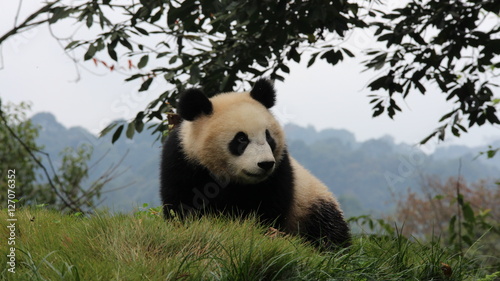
{"points": [[265, 166], [254, 175]]}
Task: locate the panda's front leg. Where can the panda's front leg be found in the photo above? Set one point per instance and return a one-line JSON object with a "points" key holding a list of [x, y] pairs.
{"points": [[325, 226]]}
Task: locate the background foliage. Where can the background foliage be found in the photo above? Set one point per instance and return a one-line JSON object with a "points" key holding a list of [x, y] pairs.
{"points": [[37, 181], [15, 157], [215, 45], [451, 44], [458, 212]]}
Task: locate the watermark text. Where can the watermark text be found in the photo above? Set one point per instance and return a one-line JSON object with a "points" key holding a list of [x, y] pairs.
{"points": [[11, 220]]}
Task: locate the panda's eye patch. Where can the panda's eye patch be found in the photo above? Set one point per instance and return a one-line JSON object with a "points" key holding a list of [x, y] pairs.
{"points": [[270, 140], [239, 143], [242, 137]]}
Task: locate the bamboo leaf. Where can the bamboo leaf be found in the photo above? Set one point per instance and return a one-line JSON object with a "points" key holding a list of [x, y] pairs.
{"points": [[143, 61], [117, 134]]}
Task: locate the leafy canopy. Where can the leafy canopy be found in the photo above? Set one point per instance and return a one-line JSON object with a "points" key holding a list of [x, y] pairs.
{"points": [[220, 45], [453, 44], [210, 44]]}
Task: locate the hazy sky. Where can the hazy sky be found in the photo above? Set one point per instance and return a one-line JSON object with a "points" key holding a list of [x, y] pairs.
{"points": [[36, 69]]}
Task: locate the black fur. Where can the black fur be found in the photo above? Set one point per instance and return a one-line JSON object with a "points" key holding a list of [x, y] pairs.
{"points": [[325, 226], [238, 144], [270, 140], [188, 188], [193, 103], [263, 91]]}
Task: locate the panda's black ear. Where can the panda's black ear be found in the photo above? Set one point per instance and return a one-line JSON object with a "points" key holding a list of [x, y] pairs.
{"points": [[192, 104], [263, 91]]}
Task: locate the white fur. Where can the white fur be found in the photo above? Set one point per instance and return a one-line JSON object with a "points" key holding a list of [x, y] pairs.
{"points": [[258, 150], [307, 190]]}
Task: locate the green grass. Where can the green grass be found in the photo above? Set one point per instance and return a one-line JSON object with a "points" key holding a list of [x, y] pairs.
{"points": [[52, 246]]}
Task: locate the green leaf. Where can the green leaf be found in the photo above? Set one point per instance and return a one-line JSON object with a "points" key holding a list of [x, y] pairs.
{"points": [[468, 213], [108, 129], [378, 109], [90, 52], [90, 20], [162, 54], [380, 83], [126, 43], [143, 61], [424, 141], [133, 77], [139, 116], [378, 62], [130, 130], [284, 68], [461, 127], [57, 14], [139, 125], [293, 54], [224, 82], [311, 38], [491, 153], [156, 16], [447, 115], [332, 57], [99, 44], [194, 71], [419, 86], [169, 75], [71, 45], [451, 227], [141, 30], [347, 52], [117, 134], [467, 239], [312, 59], [173, 59], [112, 52], [146, 85]]}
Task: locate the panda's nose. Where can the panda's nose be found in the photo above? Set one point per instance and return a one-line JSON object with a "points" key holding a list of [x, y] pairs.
{"points": [[266, 165]]}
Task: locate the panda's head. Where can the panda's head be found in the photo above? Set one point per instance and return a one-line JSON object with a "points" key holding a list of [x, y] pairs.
{"points": [[233, 135]]}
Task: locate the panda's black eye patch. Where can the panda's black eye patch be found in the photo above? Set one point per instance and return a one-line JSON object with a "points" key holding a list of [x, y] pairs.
{"points": [[239, 143], [270, 140]]}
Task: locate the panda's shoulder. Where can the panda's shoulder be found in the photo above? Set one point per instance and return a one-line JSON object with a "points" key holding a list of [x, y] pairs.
{"points": [[172, 141], [307, 187], [174, 153]]}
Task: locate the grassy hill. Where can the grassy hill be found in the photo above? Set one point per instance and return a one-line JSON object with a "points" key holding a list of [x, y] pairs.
{"points": [[142, 246]]}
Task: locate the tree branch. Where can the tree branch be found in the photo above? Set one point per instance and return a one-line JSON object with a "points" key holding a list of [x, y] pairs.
{"points": [[28, 22], [30, 152]]}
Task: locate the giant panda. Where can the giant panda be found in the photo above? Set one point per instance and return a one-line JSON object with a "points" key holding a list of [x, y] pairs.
{"points": [[228, 156]]}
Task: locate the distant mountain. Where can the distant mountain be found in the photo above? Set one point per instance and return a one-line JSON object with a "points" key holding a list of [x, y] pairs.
{"points": [[457, 151], [364, 175], [137, 181], [309, 135], [371, 172]]}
